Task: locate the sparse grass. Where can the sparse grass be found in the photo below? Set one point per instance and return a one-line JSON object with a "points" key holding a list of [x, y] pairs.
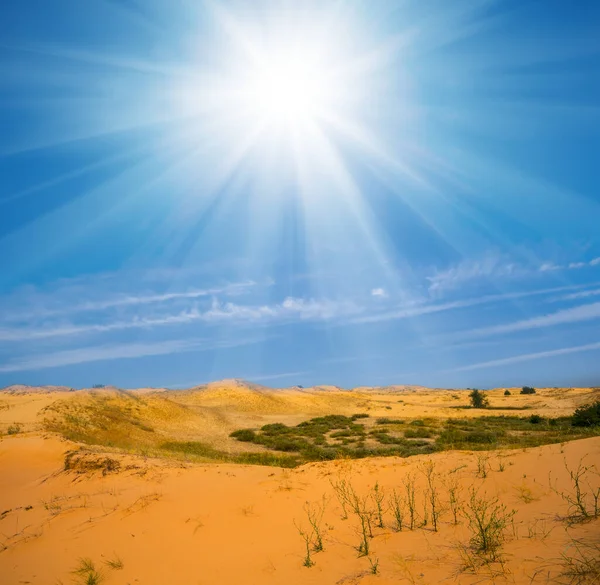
{"points": [[580, 563], [14, 429], [374, 563], [86, 573], [116, 564]]}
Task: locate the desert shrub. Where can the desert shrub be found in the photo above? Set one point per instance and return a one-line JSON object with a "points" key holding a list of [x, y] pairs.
{"points": [[344, 433], [535, 419], [487, 520], [481, 437], [478, 399], [384, 421], [359, 415], [14, 429], [587, 416], [507, 393], [417, 423], [246, 435], [275, 429], [527, 390]]}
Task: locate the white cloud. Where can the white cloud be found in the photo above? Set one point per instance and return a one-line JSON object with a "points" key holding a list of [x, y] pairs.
{"points": [[290, 309], [415, 309], [491, 266], [117, 351], [572, 315], [550, 267], [530, 356], [595, 262], [576, 265], [379, 292]]}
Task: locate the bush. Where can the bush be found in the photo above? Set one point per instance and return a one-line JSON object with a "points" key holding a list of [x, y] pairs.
{"points": [[535, 419], [587, 416], [359, 415], [527, 390], [246, 435], [14, 429], [478, 399], [507, 393]]}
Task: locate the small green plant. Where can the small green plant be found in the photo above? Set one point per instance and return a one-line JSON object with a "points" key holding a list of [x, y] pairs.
{"points": [[378, 496], [397, 510], [584, 498], [432, 493], [86, 573], [535, 419], [507, 393], [454, 499], [527, 390], [482, 466], [374, 566], [478, 399], [14, 429], [581, 563], [487, 520], [314, 514], [116, 564], [343, 491], [306, 536], [409, 490]]}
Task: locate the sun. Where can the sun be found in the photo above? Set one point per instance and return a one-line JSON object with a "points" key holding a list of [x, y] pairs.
{"points": [[288, 90]]}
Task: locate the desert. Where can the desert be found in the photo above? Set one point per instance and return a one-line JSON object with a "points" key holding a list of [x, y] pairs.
{"points": [[122, 486]]}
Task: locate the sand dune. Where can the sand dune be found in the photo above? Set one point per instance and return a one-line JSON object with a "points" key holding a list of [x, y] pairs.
{"points": [[157, 521]]}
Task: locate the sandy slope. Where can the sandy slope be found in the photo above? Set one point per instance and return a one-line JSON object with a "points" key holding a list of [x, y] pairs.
{"points": [[233, 524], [176, 523]]}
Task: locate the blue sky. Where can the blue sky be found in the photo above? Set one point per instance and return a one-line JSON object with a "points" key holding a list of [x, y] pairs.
{"points": [[305, 193]]}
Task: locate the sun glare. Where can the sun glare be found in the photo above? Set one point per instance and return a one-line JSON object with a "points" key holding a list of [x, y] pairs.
{"points": [[287, 90]]}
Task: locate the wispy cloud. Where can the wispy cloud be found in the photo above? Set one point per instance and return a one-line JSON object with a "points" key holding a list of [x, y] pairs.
{"points": [[578, 295], [494, 266], [61, 303], [529, 356], [117, 351], [491, 266], [290, 309], [572, 315], [416, 309]]}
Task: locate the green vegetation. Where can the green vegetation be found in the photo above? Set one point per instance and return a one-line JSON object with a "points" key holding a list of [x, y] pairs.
{"points": [[507, 393], [478, 399], [338, 436], [14, 429], [86, 573], [151, 426], [487, 520], [587, 416], [202, 451], [333, 436], [527, 390]]}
